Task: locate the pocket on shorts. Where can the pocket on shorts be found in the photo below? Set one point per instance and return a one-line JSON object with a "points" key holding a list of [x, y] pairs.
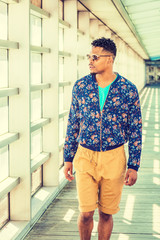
{"points": [[83, 160], [115, 166]]}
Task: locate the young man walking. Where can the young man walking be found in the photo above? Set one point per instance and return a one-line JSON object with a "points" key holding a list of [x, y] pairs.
{"points": [[104, 115]]}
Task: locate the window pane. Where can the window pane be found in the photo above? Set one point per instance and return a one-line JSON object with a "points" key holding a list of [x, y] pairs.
{"points": [[3, 21], [61, 4], [36, 143], [61, 39], [65, 124], [36, 180], [61, 158], [61, 95], [4, 210], [61, 131], [37, 3], [36, 108], [3, 68], [3, 115], [36, 68], [61, 70], [3, 163], [35, 31]]}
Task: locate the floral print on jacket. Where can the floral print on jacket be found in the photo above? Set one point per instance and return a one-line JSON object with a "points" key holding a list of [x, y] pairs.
{"points": [[119, 121]]}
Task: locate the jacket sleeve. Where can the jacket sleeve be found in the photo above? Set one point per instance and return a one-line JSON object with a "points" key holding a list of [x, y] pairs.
{"points": [[73, 126], [134, 131]]}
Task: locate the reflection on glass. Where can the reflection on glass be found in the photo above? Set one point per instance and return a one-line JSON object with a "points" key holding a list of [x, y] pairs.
{"points": [[4, 210], [3, 163], [61, 69], [3, 68], [61, 39], [3, 21], [36, 143], [61, 8], [61, 158], [3, 115], [36, 31], [61, 131], [36, 110], [36, 180], [36, 68], [61, 96]]}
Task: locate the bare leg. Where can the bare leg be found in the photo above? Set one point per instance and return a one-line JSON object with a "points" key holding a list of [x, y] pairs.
{"points": [[85, 225], [105, 226]]}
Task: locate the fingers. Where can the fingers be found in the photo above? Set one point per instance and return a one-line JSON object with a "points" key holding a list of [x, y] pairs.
{"points": [[126, 179], [131, 177], [68, 172], [68, 175], [130, 182]]}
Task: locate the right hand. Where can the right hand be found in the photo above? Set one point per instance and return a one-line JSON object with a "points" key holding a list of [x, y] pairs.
{"points": [[68, 167]]}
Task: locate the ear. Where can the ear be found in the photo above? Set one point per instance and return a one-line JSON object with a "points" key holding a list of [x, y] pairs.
{"points": [[110, 60]]}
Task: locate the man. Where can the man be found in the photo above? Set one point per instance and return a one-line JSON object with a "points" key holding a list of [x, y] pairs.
{"points": [[104, 115]]}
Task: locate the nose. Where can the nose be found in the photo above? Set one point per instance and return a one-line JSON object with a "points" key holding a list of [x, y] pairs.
{"points": [[90, 60]]}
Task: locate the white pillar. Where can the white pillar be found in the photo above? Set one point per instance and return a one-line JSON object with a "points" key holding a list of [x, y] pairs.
{"points": [[83, 42], [19, 110], [51, 96]]}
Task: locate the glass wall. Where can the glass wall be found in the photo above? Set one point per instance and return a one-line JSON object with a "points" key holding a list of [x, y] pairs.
{"points": [[4, 113]]}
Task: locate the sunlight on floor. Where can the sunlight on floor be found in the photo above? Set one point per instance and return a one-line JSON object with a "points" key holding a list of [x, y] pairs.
{"points": [[145, 124], [41, 194], [123, 237], [156, 149], [156, 166], [68, 216], [95, 226], [156, 236], [8, 231], [156, 141], [128, 213], [156, 218], [156, 181], [145, 98], [156, 126]]}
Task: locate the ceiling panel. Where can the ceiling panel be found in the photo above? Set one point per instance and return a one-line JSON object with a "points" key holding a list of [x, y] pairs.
{"points": [[145, 15], [143, 7], [136, 2], [135, 21]]}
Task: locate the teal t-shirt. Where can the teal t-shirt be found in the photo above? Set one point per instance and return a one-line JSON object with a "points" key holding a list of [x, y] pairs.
{"points": [[103, 94]]}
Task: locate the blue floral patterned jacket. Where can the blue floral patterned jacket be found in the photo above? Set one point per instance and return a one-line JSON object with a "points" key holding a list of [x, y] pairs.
{"points": [[119, 121]]}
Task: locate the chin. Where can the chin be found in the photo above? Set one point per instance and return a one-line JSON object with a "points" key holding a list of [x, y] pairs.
{"points": [[93, 72]]}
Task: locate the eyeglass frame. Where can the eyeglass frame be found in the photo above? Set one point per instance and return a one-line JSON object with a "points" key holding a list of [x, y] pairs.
{"points": [[98, 56]]}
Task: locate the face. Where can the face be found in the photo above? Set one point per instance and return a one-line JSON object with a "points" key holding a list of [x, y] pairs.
{"points": [[101, 64]]}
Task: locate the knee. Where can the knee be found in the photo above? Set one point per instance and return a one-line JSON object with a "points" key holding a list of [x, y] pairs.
{"points": [[104, 216], [86, 217]]}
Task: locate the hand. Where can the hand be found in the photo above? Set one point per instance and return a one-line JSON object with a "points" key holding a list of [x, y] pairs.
{"points": [[131, 177], [68, 166]]}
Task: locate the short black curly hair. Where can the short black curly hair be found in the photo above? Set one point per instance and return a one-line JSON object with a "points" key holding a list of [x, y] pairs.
{"points": [[106, 43]]}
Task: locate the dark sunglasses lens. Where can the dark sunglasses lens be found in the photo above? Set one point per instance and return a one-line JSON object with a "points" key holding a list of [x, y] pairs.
{"points": [[94, 57], [88, 56]]}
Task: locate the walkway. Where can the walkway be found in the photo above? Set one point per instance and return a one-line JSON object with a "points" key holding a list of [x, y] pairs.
{"points": [[139, 218]]}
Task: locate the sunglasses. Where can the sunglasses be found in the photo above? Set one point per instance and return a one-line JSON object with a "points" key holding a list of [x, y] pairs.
{"points": [[95, 57]]}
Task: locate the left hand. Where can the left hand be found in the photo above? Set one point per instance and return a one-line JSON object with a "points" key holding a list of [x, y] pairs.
{"points": [[131, 177]]}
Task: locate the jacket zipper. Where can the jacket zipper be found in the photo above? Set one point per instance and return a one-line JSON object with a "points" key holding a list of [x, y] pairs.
{"points": [[100, 123]]}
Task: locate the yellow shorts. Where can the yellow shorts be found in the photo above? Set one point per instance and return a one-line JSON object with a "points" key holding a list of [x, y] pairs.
{"points": [[100, 178]]}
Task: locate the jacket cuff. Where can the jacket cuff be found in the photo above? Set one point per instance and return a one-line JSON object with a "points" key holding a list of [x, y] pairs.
{"points": [[68, 160], [133, 167]]}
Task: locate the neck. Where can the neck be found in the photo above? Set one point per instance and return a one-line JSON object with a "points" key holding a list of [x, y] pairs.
{"points": [[105, 77]]}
